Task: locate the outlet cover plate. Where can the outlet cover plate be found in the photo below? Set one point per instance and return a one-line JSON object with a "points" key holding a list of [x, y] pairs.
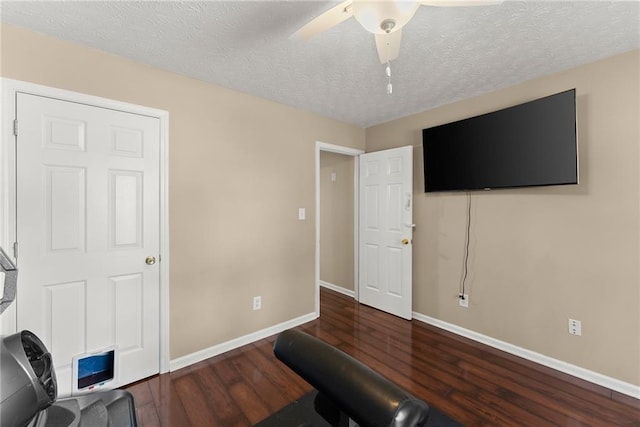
{"points": [[575, 327], [463, 302]]}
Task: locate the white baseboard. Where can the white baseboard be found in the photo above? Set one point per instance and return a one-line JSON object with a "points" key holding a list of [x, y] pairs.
{"points": [[576, 371], [338, 289], [199, 356]]}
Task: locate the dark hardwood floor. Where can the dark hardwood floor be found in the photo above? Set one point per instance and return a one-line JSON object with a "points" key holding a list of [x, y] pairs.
{"points": [[472, 383]]}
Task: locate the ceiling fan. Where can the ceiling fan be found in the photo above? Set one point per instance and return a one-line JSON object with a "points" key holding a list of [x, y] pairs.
{"points": [[383, 18]]}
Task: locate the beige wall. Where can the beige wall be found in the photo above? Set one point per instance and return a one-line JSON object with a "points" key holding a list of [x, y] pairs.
{"points": [[539, 256], [240, 167], [336, 219]]}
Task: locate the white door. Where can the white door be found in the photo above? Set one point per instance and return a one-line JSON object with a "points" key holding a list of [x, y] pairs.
{"points": [[87, 219], [386, 228]]}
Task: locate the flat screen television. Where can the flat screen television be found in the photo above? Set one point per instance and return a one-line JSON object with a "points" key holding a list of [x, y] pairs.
{"points": [[530, 144]]}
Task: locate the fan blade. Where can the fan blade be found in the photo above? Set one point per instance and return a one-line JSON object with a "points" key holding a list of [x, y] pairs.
{"points": [[461, 3], [388, 46], [328, 19]]}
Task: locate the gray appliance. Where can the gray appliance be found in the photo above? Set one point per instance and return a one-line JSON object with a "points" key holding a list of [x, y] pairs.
{"points": [[9, 279], [28, 392]]}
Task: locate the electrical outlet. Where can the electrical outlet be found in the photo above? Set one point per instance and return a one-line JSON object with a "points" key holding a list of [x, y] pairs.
{"points": [[575, 327], [257, 303], [463, 300]]}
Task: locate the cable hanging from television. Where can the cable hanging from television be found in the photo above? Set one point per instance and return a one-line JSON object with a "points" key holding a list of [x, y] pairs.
{"points": [[465, 265]]}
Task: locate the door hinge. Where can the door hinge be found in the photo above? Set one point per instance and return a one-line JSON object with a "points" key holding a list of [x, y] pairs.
{"points": [[15, 250], [15, 127]]}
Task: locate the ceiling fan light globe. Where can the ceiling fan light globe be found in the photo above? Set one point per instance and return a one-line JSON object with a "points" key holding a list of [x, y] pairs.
{"points": [[372, 14]]}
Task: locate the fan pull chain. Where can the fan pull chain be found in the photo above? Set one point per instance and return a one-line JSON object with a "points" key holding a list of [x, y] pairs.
{"points": [[388, 70], [389, 85]]}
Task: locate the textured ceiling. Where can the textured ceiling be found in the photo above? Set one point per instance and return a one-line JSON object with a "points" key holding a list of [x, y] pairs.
{"points": [[447, 53]]}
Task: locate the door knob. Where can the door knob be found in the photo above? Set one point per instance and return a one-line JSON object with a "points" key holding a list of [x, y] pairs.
{"points": [[150, 260], [405, 241]]}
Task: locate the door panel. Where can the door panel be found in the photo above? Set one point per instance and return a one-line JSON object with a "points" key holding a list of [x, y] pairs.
{"points": [[65, 209], [129, 326], [125, 209], [64, 314], [386, 189], [87, 217]]}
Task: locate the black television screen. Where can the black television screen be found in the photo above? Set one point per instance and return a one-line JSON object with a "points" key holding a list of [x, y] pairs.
{"points": [[530, 144]]}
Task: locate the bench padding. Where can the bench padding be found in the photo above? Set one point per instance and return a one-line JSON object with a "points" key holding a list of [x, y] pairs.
{"points": [[363, 395]]}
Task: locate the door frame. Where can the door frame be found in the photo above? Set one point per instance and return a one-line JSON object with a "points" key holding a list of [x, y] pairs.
{"points": [[355, 153], [9, 89]]}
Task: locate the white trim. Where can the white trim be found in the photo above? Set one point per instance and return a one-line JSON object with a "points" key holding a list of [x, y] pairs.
{"points": [[7, 193], [338, 149], [339, 289], [165, 327], [7, 180], [573, 370], [356, 228], [199, 356]]}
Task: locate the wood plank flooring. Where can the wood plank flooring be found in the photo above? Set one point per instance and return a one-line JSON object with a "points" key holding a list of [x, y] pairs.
{"points": [[472, 383]]}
